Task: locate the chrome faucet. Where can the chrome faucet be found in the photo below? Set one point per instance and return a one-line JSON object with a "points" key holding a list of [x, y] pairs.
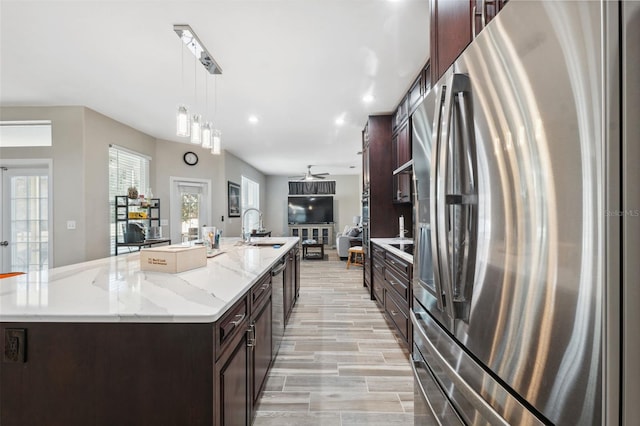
{"points": [[245, 235]]}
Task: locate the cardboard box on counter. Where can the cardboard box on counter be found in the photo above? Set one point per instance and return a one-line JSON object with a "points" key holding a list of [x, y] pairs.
{"points": [[173, 259]]}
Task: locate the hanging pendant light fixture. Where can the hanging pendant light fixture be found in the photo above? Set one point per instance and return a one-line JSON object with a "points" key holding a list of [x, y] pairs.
{"points": [[216, 136], [196, 119], [207, 126], [196, 129], [206, 135], [183, 123], [191, 124]]}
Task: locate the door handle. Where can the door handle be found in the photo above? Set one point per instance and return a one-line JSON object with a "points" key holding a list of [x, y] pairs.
{"points": [[457, 213], [4, 243], [433, 187]]}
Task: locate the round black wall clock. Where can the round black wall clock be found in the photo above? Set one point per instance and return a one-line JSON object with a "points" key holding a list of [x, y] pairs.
{"points": [[191, 158]]}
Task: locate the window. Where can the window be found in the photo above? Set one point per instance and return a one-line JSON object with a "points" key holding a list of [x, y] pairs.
{"points": [[25, 133], [250, 198], [126, 168]]}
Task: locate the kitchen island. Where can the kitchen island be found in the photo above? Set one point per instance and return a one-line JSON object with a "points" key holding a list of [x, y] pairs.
{"points": [[104, 343]]}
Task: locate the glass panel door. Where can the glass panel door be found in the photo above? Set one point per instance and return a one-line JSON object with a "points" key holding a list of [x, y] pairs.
{"points": [[25, 220]]}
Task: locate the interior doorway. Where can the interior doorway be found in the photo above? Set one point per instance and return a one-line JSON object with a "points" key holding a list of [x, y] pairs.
{"points": [[25, 237], [190, 201]]}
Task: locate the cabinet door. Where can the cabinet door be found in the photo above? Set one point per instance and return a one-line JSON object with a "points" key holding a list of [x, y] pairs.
{"points": [[289, 286], [262, 348], [365, 169], [232, 383], [483, 11], [296, 276], [450, 33]]}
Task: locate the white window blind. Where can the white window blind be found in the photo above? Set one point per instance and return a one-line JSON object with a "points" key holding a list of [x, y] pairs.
{"points": [[126, 168]]}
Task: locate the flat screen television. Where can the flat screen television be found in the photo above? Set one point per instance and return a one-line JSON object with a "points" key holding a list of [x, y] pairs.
{"points": [[307, 210]]}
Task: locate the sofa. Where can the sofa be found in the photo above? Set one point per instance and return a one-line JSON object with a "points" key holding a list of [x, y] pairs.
{"points": [[350, 237]]}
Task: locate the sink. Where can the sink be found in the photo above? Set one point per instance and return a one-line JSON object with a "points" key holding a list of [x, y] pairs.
{"points": [[265, 241]]}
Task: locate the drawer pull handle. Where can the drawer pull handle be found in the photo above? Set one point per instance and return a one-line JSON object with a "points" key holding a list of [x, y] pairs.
{"points": [[239, 319], [394, 313], [251, 338]]}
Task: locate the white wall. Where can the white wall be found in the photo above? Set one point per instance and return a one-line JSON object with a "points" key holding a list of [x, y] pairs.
{"points": [[80, 175], [79, 154], [346, 202], [99, 132], [234, 169], [169, 163]]}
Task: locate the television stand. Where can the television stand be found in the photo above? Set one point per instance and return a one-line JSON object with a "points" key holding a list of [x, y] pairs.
{"points": [[323, 233]]}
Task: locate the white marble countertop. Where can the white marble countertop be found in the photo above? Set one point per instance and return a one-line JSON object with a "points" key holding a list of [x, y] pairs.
{"points": [[385, 243], [114, 289]]}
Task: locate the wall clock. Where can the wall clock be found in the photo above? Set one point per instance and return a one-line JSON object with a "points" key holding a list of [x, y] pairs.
{"points": [[191, 158]]}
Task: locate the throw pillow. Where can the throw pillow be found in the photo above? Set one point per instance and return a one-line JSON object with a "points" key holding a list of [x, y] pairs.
{"points": [[354, 232]]}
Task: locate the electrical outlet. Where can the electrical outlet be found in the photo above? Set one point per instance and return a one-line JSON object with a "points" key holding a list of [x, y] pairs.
{"points": [[14, 345]]}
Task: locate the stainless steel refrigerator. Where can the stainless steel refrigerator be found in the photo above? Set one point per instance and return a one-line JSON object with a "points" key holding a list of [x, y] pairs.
{"points": [[525, 267]]}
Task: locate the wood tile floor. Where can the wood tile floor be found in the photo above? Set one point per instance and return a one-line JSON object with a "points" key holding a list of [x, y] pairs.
{"points": [[340, 363]]}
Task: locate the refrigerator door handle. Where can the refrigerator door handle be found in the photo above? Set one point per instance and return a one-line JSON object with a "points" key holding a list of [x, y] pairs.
{"points": [[434, 202], [458, 211]]}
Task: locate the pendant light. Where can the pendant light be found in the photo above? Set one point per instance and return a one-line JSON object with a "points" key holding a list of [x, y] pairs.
{"points": [[196, 129], [207, 126], [216, 135], [206, 135], [216, 141], [183, 123]]}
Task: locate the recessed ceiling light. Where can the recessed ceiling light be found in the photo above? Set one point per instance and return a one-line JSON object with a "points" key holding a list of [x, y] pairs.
{"points": [[340, 121], [253, 119], [367, 99]]}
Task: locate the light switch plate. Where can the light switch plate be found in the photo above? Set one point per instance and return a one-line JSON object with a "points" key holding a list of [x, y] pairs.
{"points": [[14, 345], [71, 224]]}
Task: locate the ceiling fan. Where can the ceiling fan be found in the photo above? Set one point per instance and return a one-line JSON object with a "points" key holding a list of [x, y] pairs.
{"points": [[309, 175]]}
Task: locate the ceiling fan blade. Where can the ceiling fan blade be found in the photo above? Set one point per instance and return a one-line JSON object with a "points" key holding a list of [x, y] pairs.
{"points": [[320, 174]]}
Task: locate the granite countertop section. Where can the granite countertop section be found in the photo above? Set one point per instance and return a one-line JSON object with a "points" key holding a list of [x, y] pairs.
{"points": [[385, 243], [114, 289]]}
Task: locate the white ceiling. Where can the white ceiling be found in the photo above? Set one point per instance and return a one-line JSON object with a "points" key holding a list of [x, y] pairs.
{"points": [[298, 65]]}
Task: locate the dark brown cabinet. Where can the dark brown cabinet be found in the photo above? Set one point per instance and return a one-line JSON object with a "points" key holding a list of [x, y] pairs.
{"points": [[450, 33], [483, 11], [383, 212], [402, 172], [392, 289], [153, 373], [261, 334], [233, 404], [454, 23], [289, 284]]}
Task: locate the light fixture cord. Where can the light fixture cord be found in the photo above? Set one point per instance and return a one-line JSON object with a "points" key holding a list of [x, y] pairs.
{"points": [[195, 78], [182, 64]]}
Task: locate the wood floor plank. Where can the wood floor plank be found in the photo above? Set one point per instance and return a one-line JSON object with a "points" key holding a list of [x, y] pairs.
{"points": [[340, 362]]}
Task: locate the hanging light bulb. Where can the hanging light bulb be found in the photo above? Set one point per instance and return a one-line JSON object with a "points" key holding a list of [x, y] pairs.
{"points": [[183, 124], [215, 136], [206, 135], [196, 130]]}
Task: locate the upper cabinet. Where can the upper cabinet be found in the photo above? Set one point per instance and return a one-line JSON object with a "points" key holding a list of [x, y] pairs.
{"points": [[454, 23]]}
